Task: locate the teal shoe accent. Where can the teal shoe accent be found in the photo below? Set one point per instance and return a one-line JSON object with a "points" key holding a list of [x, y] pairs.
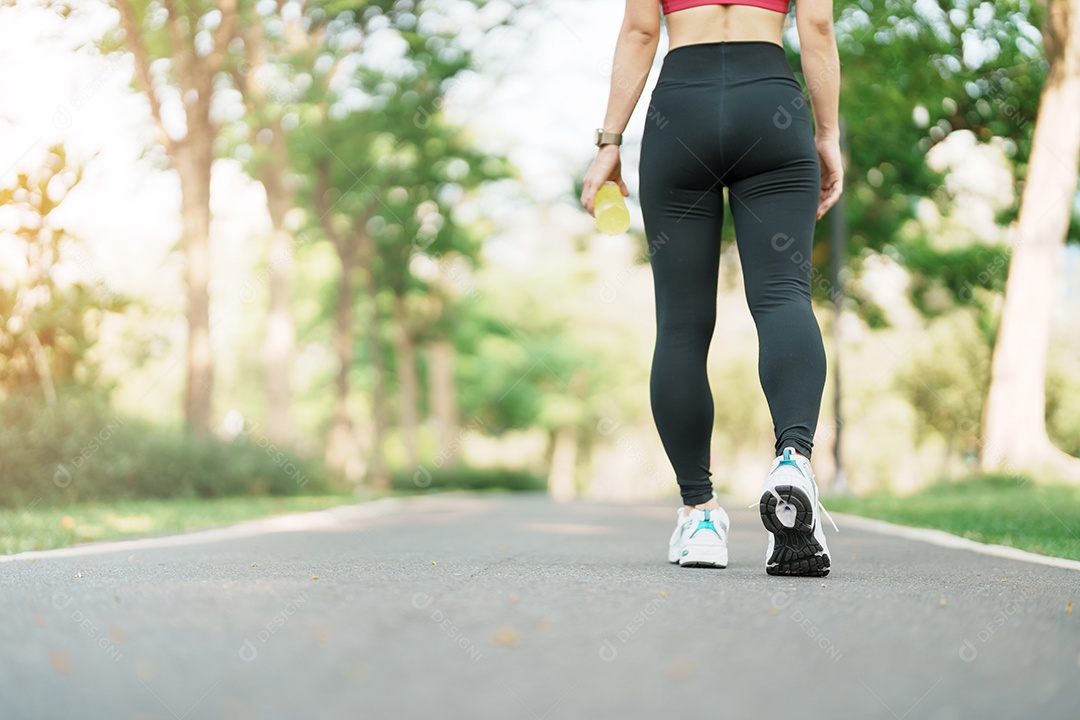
{"points": [[789, 459], [706, 524]]}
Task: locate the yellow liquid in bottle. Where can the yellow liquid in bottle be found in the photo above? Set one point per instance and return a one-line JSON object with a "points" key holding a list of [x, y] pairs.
{"points": [[612, 217]]}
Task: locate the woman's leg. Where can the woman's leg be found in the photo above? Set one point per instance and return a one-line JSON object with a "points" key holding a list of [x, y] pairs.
{"points": [[774, 214], [682, 204]]}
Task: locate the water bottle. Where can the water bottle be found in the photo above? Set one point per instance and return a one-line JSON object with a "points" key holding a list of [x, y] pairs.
{"points": [[612, 217]]}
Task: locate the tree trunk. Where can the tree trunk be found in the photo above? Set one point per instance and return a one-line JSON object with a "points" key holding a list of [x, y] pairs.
{"points": [[562, 484], [342, 451], [442, 392], [341, 448], [192, 157], [1014, 418], [193, 160], [280, 341], [378, 475], [408, 384]]}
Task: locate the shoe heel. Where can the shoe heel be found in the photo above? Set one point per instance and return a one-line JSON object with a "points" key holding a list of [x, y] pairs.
{"points": [[787, 514], [786, 509], [704, 556]]}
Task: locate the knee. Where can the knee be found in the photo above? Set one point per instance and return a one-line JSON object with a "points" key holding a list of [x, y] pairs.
{"points": [[686, 330], [778, 293]]}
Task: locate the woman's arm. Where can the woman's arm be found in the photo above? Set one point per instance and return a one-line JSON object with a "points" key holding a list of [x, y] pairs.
{"points": [[821, 68], [634, 54]]}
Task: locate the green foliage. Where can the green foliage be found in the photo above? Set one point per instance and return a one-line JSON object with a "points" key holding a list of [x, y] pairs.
{"points": [[81, 450], [531, 359], [911, 74], [1063, 404], [48, 325], [462, 477], [388, 172], [946, 376], [961, 272]]}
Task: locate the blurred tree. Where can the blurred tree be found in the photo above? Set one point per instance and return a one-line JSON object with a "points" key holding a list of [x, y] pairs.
{"points": [[1014, 423], [286, 57], [913, 73], [944, 380], [48, 320], [387, 173], [549, 361], [355, 251], [179, 50]]}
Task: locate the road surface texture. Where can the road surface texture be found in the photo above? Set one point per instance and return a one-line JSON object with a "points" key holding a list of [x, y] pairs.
{"points": [[511, 606]]}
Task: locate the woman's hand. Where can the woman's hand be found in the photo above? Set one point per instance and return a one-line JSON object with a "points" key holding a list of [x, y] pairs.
{"points": [[607, 165], [832, 173]]}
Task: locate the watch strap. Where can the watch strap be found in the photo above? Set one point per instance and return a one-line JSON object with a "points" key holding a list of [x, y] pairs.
{"points": [[603, 137]]}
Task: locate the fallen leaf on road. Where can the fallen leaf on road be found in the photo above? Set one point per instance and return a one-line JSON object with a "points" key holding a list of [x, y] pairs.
{"points": [[434, 563], [78, 574], [314, 577], [943, 602], [663, 593], [144, 668], [513, 597], [681, 669], [1068, 608], [61, 661], [506, 636], [254, 564], [824, 584]]}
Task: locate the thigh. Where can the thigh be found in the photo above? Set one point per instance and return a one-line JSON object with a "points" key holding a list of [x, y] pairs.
{"points": [[774, 214], [774, 198], [681, 200]]}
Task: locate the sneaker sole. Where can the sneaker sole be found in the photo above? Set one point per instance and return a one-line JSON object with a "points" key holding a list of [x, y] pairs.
{"points": [[704, 556], [795, 550]]}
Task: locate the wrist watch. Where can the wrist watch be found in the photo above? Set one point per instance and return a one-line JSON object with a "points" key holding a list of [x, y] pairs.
{"points": [[607, 138]]}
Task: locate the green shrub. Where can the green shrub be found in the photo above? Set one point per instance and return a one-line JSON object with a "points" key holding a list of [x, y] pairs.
{"points": [[981, 482], [81, 450], [462, 477]]}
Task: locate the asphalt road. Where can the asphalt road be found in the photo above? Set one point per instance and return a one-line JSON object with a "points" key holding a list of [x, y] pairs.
{"points": [[515, 607]]}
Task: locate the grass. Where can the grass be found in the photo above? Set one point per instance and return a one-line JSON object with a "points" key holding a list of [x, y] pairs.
{"points": [[1043, 519], [47, 523], [38, 527]]}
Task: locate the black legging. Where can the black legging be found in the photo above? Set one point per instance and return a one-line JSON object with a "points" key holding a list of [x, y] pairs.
{"points": [[730, 114]]}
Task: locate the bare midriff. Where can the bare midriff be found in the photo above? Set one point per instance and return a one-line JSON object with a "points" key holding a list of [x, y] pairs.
{"points": [[720, 23]]}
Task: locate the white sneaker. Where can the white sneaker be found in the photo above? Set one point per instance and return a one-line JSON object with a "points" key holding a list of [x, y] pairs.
{"points": [[700, 539], [788, 506]]}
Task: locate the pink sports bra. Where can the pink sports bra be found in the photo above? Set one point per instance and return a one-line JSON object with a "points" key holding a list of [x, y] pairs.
{"points": [[670, 6]]}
